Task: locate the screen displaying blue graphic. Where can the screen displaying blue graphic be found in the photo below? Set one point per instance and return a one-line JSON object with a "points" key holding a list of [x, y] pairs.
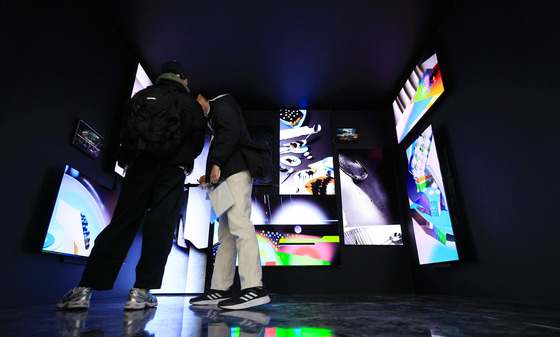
{"points": [[83, 208], [433, 230]]}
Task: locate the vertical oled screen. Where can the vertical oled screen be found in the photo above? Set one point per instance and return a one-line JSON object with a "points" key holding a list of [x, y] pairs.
{"points": [[369, 213], [306, 160], [433, 230]]}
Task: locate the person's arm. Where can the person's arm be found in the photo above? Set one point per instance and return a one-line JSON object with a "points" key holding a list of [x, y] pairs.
{"points": [[193, 126], [227, 130], [197, 133]]}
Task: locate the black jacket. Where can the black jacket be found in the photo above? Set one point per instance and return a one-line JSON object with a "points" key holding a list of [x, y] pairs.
{"points": [[229, 128], [192, 122]]}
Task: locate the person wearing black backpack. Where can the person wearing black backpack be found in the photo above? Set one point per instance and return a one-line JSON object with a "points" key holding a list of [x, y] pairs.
{"points": [[151, 191]]}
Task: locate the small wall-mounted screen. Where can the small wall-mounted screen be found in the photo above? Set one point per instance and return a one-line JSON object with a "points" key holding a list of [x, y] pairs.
{"points": [[346, 135]]}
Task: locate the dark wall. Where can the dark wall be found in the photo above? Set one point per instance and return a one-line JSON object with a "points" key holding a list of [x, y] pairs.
{"points": [[499, 118], [60, 62]]}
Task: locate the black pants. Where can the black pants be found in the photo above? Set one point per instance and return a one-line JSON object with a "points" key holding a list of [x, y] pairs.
{"points": [[158, 190]]}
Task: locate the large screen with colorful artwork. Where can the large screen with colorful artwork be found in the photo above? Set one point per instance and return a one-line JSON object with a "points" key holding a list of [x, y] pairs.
{"points": [[295, 230], [306, 159], [429, 206], [423, 87], [82, 209]]}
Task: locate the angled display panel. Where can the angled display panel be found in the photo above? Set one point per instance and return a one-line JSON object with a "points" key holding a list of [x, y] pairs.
{"points": [[421, 90], [431, 220], [82, 209]]}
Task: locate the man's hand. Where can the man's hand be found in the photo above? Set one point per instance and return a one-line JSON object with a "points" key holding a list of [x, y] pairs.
{"points": [[215, 174]]}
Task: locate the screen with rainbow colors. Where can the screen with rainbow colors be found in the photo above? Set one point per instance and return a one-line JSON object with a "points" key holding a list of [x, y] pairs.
{"points": [[423, 87], [431, 220]]}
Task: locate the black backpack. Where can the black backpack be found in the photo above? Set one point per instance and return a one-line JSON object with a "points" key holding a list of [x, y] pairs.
{"points": [[152, 127]]}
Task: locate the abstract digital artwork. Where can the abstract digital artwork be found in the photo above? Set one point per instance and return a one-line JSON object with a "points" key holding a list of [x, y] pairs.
{"points": [[433, 231], [306, 162], [296, 230], [423, 88], [368, 216], [82, 209]]}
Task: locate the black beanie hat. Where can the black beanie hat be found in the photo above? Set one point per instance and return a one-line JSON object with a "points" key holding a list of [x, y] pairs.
{"points": [[175, 68]]}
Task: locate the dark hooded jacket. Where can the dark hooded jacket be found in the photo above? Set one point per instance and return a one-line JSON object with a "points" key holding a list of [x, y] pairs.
{"points": [[229, 130]]}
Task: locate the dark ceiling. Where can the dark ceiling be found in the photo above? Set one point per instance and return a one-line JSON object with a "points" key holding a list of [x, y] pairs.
{"points": [[339, 55]]}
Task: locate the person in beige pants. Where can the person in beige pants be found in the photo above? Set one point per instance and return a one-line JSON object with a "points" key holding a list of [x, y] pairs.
{"points": [[236, 232]]}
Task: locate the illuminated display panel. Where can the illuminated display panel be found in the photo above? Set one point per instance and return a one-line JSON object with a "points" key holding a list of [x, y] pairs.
{"points": [[295, 230], [422, 89], [286, 246], [220, 329], [83, 208], [369, 215], [306, 159], [431, 220], [347, 135]]}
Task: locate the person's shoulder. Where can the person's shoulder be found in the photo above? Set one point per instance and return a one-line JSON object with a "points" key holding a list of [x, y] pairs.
{"points": [[225, 100], [187, 100], [222, 98]]}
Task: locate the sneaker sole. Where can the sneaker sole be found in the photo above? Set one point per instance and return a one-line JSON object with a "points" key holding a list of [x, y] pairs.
{"points": [[73, 305], [249, 304]]}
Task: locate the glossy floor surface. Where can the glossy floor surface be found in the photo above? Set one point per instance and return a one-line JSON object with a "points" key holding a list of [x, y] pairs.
{"points": [[313, 316]]}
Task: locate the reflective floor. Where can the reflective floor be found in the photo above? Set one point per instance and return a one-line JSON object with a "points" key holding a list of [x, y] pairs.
{"points": [[314, 316]]}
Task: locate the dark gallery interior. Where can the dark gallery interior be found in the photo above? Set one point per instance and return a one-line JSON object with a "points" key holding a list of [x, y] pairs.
{"points": [[67, 62]]}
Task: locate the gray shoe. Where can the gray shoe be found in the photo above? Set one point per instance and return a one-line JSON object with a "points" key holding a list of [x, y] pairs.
{"points": [[140, 299], [77, 298]]}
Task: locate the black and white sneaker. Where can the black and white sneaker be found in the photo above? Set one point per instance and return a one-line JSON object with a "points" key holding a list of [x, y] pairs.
{"points": [[212, 297], [248, 298]]}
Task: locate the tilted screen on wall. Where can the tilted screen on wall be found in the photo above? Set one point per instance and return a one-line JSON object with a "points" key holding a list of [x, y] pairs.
{"points": [[423, 87], [429, 206], [83, 208]]}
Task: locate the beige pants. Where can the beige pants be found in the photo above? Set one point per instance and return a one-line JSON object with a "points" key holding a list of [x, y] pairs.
{"points": [[237, 239]]}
